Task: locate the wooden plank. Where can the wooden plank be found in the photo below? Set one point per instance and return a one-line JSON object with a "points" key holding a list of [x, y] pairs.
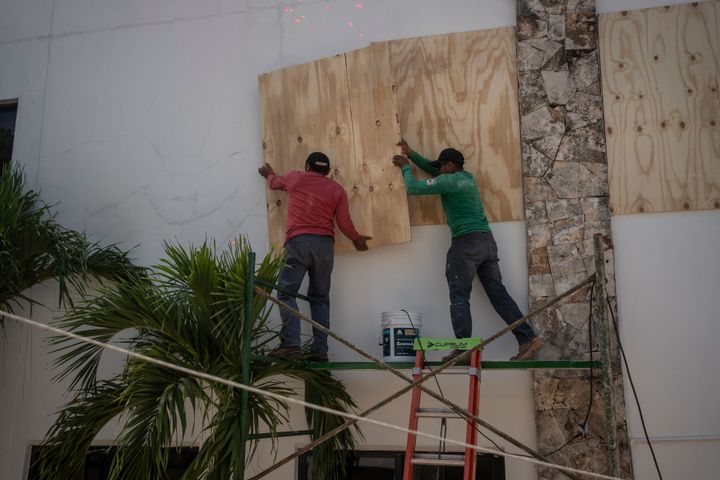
{"points": [[662, 107], [378, 199], [460, 90], [304, 109], [343, 106]]}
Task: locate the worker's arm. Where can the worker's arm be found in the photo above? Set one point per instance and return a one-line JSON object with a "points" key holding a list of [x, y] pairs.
{"points": [[275, 182], [345, 223], [422, 162], [431, 186]]}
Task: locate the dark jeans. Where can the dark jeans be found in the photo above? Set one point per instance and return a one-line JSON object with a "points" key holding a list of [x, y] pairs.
{"points": [[312, 254], [477, 253]]}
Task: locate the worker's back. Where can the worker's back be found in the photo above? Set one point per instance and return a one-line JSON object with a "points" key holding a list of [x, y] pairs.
{"points": [[313, 199], [462, 203]]}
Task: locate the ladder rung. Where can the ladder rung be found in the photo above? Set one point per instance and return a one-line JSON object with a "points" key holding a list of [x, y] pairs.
{"points": [[436, 413], [446, 459]]}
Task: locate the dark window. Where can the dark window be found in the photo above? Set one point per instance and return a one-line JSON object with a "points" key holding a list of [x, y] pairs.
{"points": [[8, 113], [98, 460], [388, 465]]}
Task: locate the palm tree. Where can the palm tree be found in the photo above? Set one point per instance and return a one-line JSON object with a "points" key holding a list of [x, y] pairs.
{"points": [[189, 311], [35, 248]]}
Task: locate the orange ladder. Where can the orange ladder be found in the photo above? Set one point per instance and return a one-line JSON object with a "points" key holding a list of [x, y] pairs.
{"points": [[470, 457]]}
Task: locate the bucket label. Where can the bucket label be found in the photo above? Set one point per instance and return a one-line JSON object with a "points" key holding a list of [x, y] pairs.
{"points": [[447, 343], [404, 338]]}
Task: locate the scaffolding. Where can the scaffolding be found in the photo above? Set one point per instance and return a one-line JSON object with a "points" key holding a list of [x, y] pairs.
{"points": [[599, 315]]}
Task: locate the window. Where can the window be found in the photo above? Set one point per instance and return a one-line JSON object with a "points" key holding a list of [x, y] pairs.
{"points": [[98, 460], [8, 113], [388, 465]]}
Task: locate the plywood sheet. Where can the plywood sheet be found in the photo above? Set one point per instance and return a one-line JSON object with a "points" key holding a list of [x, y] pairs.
{"points": [[460, 90], [376, 190], [317, 107], [660, 70], [304, 109]]}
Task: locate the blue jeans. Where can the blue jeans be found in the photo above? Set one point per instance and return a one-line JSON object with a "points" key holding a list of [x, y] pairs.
{"points": [[477, 253], [311, 254]]}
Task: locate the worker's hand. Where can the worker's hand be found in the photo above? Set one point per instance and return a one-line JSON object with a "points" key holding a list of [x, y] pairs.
{"points": [[406, 150], [265, 170], [361, 242], [400, 160]]}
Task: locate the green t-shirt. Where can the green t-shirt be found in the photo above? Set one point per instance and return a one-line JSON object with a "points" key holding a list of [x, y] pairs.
{"points": [[459, 193]]}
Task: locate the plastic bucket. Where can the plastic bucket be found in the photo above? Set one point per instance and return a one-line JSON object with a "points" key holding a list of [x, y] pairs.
{"points": [[399, 331]]}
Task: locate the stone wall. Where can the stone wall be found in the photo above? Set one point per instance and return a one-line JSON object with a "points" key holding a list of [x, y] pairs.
{"points": [[566, 202]]}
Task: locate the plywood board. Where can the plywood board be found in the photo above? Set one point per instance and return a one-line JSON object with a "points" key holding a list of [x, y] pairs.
{"points": [[377, 192], [304, 109], [316, 107], [660, 73], [460, 90]]}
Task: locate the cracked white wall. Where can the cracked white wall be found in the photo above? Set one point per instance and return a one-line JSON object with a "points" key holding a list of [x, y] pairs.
{"points": [[141, 121]]}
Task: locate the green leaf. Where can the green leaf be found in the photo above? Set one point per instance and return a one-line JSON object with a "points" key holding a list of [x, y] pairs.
{"points": [[187, 310]]}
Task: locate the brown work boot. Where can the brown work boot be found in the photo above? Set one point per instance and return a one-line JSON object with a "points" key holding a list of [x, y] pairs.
{"points": [[528, 350], [290, 352], [456, 353], [317, 357]]}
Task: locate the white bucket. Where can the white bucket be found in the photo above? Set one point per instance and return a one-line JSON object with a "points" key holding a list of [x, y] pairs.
{"points": [[399, 331]]}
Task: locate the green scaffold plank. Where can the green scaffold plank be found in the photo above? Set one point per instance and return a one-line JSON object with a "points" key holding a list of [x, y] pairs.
{"points": [[446, 343], [486, 365]]}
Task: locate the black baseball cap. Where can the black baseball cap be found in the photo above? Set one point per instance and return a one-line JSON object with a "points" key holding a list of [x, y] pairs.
{"points": [[318, 159], [449, 155]]}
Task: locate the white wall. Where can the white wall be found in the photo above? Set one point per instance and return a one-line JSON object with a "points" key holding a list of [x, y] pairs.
{"points": [[142, 120], [667, 269]]}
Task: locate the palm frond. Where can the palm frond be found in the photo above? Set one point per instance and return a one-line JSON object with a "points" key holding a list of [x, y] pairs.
{"points": [[78, 422], [188, 310], [35, 248]]}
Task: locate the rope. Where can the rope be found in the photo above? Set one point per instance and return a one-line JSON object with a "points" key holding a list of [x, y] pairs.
{"points": [[258, 391], [411, 384], [415, 383]]}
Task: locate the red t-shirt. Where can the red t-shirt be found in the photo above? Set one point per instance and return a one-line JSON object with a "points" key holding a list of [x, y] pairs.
{"points": [[314, 200]]}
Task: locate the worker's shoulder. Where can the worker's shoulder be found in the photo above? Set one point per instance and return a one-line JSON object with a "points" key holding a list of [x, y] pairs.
{"points": [[325, 182], [456, 181], [337, 186], [464, 177]]}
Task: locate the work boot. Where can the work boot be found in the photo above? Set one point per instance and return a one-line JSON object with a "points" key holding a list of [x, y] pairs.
{"points": [[317, 357], [290, 352], [528, 350], [456, 353]]}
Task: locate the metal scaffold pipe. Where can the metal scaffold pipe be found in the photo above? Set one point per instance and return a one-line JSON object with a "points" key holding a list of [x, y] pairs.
{"points": [[411, 383]]}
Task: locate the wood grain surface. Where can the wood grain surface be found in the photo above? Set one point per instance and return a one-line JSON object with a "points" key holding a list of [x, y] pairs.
{"points": [[460, 90], [344, 107], [377, 191], [660, 71]]}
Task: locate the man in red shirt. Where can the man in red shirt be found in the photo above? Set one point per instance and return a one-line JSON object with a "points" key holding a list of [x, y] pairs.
{"points": [[314, 201]]}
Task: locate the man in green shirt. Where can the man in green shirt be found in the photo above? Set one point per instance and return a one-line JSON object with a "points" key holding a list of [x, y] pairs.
{"points": [[473, 249]]}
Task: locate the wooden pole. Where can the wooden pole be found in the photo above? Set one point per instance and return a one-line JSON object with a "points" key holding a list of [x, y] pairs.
{"points": [[602, 327]]}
